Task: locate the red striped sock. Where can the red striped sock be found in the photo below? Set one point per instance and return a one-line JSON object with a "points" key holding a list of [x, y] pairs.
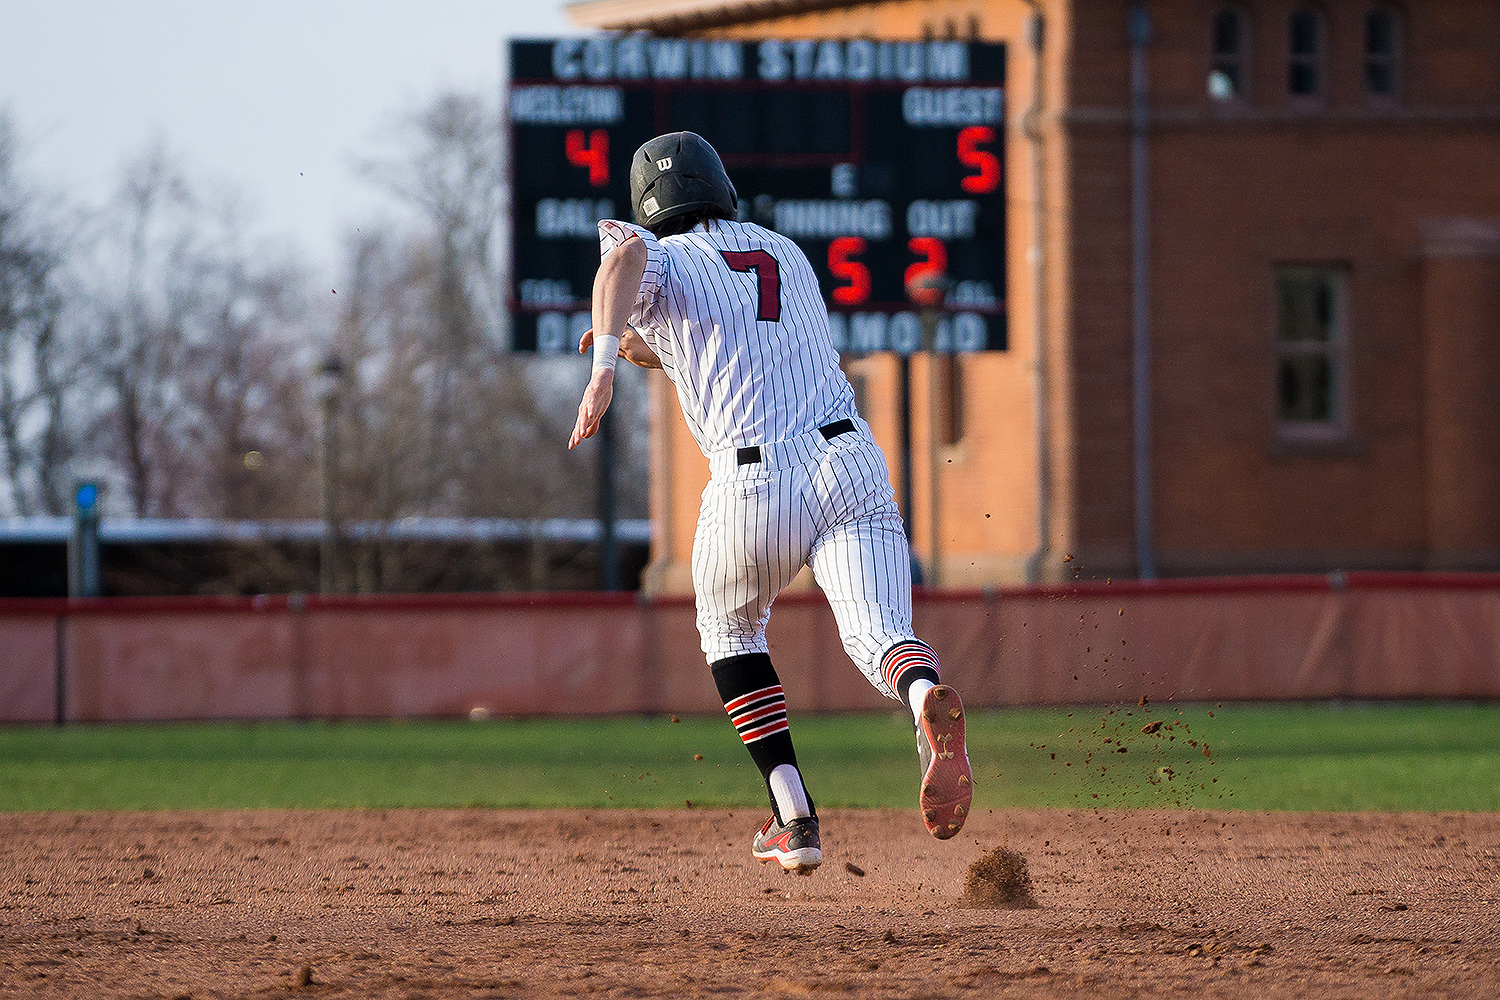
{"points": [[758, 714], [907, 661]]}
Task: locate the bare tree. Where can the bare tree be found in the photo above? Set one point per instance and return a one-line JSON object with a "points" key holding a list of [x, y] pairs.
{"points": [[197, 352], [35, 440], [139, 299], [447, 372], [439, 418], [156, 347], [498, 420], [243, 379], [152, 347], [446, 170]]}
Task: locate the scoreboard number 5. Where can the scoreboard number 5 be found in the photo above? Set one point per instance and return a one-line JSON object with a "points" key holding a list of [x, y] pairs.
{"points": [[591, 153], [971, 155], [841, 265]]}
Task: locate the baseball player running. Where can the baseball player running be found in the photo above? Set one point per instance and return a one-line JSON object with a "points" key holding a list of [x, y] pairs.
{"points": [[732, 313]]}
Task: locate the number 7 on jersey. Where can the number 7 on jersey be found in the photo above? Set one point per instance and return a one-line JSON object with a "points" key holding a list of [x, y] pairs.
{"points": [[768, 275]]}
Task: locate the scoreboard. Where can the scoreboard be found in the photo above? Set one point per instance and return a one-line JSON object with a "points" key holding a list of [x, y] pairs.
{"points": [[884, 161]]}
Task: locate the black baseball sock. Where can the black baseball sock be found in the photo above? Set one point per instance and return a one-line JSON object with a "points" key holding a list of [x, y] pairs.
{"points": [[752, 696]]}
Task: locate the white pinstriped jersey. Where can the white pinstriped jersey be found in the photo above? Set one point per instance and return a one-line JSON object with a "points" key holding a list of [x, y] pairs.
{"points": [[734, 312]]}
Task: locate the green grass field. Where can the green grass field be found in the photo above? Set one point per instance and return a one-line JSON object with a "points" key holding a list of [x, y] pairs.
{"points": [[1408, 756]]}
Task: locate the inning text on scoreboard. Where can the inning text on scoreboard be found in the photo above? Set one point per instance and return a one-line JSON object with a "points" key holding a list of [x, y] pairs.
{"points": [[884, 161]]}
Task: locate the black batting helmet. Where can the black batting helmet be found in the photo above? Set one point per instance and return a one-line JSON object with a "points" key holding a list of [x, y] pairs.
{"points": [[675, 174]]}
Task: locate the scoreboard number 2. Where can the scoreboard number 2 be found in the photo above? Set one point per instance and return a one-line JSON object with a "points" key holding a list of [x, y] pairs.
{"points": [[591, 153], [923, 278]]}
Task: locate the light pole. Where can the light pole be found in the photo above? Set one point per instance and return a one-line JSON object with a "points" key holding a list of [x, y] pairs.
{"points": [[83, 543], [329, 383]]}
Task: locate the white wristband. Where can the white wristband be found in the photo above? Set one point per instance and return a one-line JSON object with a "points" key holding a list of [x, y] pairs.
{"points": [[606, 352]]}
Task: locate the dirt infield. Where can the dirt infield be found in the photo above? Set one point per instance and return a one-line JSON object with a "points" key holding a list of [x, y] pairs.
{"points": [[481, 903]]}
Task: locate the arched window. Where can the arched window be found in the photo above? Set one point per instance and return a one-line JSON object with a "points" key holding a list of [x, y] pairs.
{"points": [[1229, 77], [1382, 52], [1304, 67]]}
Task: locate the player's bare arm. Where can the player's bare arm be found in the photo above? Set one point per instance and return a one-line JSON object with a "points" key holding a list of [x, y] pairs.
{"points": [[615, 288], [633, 348]]}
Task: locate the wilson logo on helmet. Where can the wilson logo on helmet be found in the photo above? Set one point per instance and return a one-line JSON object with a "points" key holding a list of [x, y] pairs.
{"points": [[664, 164]]}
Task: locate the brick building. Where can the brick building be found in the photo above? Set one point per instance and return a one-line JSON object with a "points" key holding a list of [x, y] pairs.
{"points": [[1254, 292]]}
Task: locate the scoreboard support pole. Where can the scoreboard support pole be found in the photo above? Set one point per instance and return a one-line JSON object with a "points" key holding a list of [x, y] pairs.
{"points": [[934, 530], [903, 379], [609, 549]]}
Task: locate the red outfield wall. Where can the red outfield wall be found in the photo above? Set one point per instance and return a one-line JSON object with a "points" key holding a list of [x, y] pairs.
{"points": [[1362, 636]]}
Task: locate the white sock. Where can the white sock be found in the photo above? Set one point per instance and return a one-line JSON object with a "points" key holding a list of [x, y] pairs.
{"points": [[915, 694], [791, 797]]}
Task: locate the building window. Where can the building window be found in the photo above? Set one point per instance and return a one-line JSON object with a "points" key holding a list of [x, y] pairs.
{"points": [[1382, 52], [1310, 334], [1227, 78], [1304, 76]]}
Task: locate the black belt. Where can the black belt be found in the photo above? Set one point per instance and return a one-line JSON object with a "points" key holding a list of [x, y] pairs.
{"points": [[751, 455]]}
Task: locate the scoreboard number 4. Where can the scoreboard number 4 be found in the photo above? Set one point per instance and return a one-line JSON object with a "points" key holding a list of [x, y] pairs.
{"points": [[591, 153]]}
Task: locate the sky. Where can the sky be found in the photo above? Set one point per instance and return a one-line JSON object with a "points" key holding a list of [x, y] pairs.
{"points": [[272, 98]]}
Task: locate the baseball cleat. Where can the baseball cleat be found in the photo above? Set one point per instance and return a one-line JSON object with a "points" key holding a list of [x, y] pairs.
{"points": [[794, 845], [947, 781]]}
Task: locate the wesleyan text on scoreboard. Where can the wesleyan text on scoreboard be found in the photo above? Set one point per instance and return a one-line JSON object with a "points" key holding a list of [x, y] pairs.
{"points": [[884, 161]]}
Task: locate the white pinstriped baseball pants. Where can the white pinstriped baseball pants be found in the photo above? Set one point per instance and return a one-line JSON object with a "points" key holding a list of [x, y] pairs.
{"points": [[808, 501]]}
